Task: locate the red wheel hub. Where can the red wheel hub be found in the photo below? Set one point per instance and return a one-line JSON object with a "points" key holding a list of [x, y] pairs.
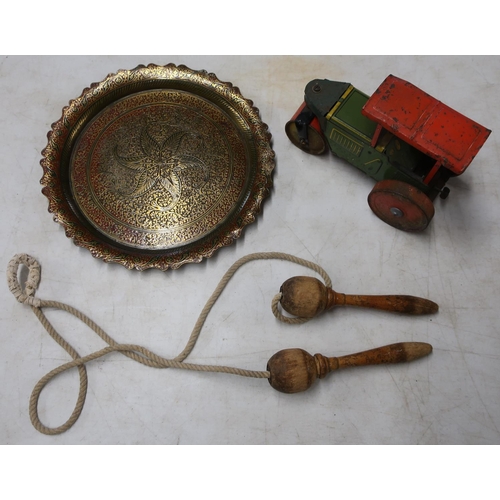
{"points": [[401, 205]]}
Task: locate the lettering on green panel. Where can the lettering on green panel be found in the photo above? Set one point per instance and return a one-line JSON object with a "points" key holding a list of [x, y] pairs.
{"points": [[345, 142]]}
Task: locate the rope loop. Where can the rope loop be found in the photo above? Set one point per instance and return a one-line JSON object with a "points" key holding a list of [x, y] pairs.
{"points": [[26, 295], [291, 320]]}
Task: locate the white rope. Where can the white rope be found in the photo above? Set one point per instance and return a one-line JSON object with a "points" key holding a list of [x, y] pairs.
{"points": [[140, 354]]}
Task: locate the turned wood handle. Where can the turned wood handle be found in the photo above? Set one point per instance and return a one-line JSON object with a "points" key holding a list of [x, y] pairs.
{"points": [[397, 303], [306, 297], [295, 370]]}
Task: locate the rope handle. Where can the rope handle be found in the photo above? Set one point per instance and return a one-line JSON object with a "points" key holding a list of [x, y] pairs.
{"points": [[137, 353]]}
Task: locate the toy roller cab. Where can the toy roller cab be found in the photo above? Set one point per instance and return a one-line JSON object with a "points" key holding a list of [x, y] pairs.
{"points": [[443, 141], [305, 128]]}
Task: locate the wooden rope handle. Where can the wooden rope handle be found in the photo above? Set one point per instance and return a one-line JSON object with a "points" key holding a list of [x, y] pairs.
{"points": [[306, 297], [295, 370]]}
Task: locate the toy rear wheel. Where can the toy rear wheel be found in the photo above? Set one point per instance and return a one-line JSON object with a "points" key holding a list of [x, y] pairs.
{"points": [[401, 205], [305, 132]]}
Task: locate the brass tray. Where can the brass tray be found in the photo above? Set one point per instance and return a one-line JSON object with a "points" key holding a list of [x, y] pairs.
{"points": [[157, 166]]}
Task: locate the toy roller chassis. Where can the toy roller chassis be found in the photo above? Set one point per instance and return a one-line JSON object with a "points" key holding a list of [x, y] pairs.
{"points": [[407, 141]]}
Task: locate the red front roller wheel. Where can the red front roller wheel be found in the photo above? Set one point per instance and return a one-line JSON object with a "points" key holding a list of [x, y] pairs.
{"points": [[314, 141], [401, 205]]}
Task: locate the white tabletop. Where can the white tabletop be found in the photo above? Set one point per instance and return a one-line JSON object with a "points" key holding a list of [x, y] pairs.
{"points": [[317, 211]]}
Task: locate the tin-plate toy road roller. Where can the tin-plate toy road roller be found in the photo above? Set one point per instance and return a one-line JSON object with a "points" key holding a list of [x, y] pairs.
{"points": [[406, 140]]}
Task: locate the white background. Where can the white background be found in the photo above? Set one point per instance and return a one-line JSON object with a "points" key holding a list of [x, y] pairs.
{"points": [[318, 211]]}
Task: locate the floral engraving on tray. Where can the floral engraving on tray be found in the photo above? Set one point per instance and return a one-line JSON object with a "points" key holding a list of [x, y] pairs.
{"points": [[160, 166]]}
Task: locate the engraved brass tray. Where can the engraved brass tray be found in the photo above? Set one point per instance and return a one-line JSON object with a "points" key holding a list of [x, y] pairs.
{"points": [[157, 166]]}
